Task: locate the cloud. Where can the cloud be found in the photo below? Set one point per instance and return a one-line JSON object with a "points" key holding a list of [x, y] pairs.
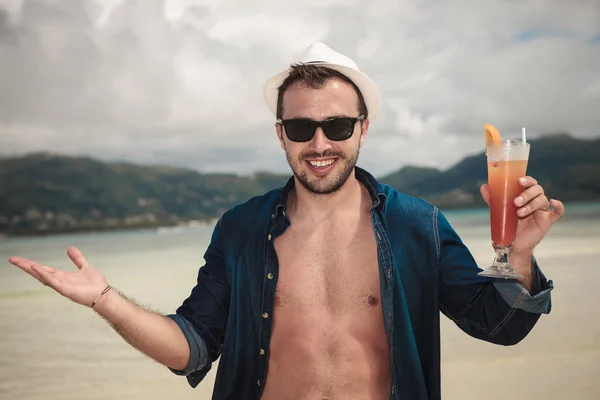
{"points": [[179, 82]]}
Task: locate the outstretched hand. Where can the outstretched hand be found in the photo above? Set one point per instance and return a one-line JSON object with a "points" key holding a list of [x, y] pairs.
{"points": [[82, 286], [536, 214]]}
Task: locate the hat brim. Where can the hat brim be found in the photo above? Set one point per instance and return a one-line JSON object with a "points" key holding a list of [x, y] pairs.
{"points": [[367, 87]]}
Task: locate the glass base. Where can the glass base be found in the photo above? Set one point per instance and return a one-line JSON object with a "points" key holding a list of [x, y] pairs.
{"points": [[500, 273], [501, 268]]}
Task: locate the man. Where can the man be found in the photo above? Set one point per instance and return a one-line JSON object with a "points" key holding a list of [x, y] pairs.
{"points": [[331, 287]]}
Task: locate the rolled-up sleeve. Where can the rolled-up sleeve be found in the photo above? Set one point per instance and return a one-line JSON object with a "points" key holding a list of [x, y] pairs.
{"points": [[198, 351], [202, 316], [538, 301]]}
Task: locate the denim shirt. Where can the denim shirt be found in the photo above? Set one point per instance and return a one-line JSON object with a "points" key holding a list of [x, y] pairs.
{"points": [[424, 269]]}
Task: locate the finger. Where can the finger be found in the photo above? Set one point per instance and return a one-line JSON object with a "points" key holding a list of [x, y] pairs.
{"points": [[23, 263], [558, 210], [77, 257], [485, 193], [33, 273], [527, 181], [529, 195], [33, 268], [540, 203], [46, 276], [46, 269]]}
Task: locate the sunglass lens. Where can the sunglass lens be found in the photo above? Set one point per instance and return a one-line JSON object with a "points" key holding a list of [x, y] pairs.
{"points": [[339, 129], [300, 130]]}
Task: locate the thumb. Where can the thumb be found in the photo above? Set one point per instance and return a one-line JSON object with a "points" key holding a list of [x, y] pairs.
{"points": [[558, 212], [77, 258], [485, 193]]}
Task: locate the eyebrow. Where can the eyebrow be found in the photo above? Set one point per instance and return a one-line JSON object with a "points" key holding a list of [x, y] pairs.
{"points": [[326, 118], [338, 116]]}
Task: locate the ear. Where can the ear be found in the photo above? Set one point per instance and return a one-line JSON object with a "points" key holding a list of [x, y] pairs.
{"points": [[279, 130], [363, 131]]}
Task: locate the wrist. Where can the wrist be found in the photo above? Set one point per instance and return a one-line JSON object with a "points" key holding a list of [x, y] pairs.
{"points": [[106, 289], [521, 261], [521, 258], [105, 303]]}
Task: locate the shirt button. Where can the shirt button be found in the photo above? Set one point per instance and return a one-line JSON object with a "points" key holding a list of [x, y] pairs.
{"points": [[265, 315], [258, 383], [283, 212], [269, 276], [262, 352], [269, 237]]}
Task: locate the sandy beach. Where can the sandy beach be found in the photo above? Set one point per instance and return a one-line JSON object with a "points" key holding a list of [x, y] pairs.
{"points": [[51, 348]]}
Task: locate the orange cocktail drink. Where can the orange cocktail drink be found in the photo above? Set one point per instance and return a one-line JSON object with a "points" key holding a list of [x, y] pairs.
{"points": [[506, 163], [503, 183]]}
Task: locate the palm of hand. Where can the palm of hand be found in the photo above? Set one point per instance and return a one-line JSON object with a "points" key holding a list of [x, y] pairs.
{"points": [[82, 286]]}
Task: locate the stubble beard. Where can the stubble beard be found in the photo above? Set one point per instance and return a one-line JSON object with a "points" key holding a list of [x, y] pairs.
{"points": [[330, 183]]}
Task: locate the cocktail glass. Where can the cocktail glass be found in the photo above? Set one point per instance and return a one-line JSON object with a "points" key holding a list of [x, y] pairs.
{"points": [[506, 163]]}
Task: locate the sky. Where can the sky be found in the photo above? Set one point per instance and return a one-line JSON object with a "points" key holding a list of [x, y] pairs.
{"points": [[179, 82]]}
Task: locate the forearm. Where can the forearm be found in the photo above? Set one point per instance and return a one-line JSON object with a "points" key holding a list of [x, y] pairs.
{"points": [[153, 334]]}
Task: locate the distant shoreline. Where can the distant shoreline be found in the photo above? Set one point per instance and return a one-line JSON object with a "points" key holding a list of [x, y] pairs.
{"points": [[102, 228]]}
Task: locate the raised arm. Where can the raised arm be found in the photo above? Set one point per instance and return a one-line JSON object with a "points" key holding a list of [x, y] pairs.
{"points": [[499, 311], [475, 303], [155, 335]]}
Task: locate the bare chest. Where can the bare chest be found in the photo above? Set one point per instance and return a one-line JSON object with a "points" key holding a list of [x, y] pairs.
{"points": [[333, 268]]}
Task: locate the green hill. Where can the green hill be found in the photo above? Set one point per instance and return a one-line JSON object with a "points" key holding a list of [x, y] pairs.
{"points": [[47, 193], [43, 192]]}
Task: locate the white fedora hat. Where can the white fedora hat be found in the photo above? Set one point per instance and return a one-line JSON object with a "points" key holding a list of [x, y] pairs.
{"points": [[320, 54]]}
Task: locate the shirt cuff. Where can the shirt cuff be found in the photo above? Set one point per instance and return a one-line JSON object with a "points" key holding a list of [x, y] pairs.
{"points": [[198, 350], [539, 301]]}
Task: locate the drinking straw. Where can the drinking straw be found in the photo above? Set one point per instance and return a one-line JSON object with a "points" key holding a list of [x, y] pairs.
{"points": [[523, 135]]}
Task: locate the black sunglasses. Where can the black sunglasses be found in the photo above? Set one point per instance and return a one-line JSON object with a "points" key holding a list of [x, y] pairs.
{"points": [[303, 129]]}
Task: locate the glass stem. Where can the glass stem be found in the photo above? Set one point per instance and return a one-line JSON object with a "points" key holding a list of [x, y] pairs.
{"points": [[500, 268], [502, 255]]}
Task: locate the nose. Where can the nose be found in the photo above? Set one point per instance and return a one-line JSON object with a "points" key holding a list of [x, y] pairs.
{"points": [[319, 142]]}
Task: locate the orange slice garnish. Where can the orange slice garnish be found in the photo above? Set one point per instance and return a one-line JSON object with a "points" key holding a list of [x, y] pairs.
{"points": [[492, 136]]}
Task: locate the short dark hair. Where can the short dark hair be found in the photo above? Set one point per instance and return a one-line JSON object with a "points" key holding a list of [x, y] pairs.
{"points": [[314, 77]]}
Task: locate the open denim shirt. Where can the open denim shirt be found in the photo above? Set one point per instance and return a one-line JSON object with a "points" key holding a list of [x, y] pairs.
{"points": [[424, 268]]}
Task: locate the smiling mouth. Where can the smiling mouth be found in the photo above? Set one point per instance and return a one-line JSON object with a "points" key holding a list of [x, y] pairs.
{"points": [[321, 163]]}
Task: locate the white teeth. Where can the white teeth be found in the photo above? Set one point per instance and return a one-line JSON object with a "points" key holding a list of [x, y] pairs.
{"points": [[321, 163]]}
